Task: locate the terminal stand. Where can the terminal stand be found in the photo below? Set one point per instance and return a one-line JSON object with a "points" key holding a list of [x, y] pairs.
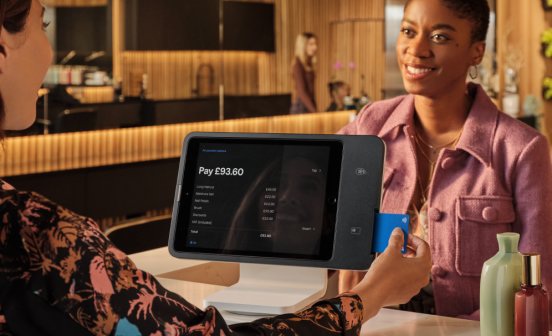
{"points": [[271, 290]]}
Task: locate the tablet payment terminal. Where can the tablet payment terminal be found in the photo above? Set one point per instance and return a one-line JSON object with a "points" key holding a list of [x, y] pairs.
{"points": [[280, 199]]}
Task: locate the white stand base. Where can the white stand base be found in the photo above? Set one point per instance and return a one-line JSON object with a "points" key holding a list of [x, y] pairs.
{"points": [[271, 290]]}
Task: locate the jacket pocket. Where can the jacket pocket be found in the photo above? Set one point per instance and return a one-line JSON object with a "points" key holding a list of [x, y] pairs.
{"points": [[479, 219]]}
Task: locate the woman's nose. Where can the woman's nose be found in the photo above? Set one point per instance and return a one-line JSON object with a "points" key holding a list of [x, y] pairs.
{"points": [[419, 47]]}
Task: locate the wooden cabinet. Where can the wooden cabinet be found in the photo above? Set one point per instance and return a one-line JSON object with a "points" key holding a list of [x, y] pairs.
{"points": [[194, 25]]}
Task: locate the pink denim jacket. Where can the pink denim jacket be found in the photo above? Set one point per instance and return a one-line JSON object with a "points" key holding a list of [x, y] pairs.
{"points": [[499, 178]]}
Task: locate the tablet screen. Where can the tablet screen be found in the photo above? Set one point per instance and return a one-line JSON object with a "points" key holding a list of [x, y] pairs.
{"points": [[256, 197]]}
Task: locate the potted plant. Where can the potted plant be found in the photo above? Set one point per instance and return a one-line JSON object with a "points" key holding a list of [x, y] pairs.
{"points": [[546, 42], [547, 88]]}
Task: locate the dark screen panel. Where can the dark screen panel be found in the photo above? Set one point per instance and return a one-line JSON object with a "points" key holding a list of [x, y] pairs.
{"points": [[83, 29], [172, 24], [262, 198], [248, 26]]}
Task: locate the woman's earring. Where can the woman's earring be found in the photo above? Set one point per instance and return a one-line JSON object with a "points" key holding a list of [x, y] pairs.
{"points": [[474, 72]]}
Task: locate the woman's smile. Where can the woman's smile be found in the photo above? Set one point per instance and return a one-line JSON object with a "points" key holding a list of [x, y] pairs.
{"points": [[417, 72]]}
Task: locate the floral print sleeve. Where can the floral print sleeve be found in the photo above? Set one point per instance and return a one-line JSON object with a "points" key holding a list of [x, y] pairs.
{"points": [[65, 260]]}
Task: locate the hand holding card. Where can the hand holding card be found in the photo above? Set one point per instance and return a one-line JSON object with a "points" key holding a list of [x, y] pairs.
{"points": [[384, 225]]}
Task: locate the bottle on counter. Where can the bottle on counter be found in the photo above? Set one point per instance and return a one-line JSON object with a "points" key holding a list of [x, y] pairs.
{"points": [[144, 87], [349, 103], [364, 97], [531, 302], [118, 91], [500, 280], [511, 99], [363, 101]]}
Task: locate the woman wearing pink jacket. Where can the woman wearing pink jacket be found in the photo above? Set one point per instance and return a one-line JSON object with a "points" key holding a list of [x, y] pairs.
{"points": [[464, 170], [60, 275]]}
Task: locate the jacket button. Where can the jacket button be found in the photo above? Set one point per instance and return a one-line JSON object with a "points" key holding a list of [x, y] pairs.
{"points": [[489, 214], [435, 214], [447, 163], [438, 271]]}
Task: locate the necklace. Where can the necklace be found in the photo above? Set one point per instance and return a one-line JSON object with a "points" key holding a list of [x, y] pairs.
{"points": [[419, 211], [435, 149], [431, 159]]}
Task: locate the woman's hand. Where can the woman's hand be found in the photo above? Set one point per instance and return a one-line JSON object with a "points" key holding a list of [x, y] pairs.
{"points": [[394, 278]]}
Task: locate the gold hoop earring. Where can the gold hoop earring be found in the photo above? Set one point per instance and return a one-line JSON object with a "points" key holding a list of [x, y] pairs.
{"points": [[474, 72]]}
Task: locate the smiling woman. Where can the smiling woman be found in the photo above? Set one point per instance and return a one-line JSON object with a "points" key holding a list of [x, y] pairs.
{"points": [[435, 57], [461, 168], [59, 274]]}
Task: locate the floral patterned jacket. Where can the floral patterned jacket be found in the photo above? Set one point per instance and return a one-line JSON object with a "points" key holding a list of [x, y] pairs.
{"points": [[65, 261]]}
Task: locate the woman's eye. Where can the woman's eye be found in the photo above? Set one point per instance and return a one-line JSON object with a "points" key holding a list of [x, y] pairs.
{"points": [[439, 38], [407, 32]]}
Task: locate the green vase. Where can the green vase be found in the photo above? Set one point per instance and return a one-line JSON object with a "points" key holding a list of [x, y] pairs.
{"points": [[500, 280]]}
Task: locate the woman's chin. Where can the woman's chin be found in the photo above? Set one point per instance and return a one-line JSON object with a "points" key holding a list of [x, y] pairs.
{"points": [[18, 127], [19, 115], [416, 88], [19, 124]]}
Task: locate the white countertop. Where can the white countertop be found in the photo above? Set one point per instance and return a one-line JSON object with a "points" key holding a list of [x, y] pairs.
{"points": [[387, 322], [391, 322]]}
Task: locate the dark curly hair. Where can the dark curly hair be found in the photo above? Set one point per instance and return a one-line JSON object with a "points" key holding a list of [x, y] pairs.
{"points": [[13, 16], [475, 11]]}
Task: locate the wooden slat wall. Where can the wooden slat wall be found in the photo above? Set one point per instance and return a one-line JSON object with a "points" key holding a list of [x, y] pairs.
{"points": [[356, 44], [294, 17], [47, 153], [74, 3], [172, 74], [118, 34], [362, 43], [361, 9], [519, 26], [89, 95]]}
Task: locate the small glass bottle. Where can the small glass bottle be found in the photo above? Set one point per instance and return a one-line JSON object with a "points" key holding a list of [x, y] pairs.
{"points": [[500, 280], [531, 311]]}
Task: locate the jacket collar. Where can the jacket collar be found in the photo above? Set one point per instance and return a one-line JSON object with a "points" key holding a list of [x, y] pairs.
{"points": [[402, 115], [479, 128]]}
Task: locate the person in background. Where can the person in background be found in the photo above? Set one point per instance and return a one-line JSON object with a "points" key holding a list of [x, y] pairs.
{"points": [[303, 73], [60, 275], [338, 91], [464, 170]]}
